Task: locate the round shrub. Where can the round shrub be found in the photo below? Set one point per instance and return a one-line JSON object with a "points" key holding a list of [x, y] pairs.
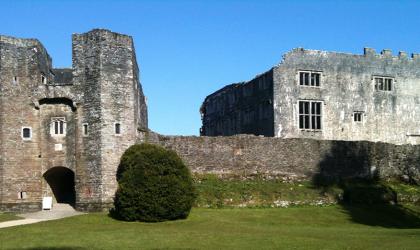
{"points": [[153, 185]]}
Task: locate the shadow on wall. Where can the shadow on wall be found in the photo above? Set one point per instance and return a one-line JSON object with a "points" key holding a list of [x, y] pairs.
{"points": [[353, 167], [410, 169]]}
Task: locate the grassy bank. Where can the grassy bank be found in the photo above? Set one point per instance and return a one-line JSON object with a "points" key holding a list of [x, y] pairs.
{"points": [[331, 227], [235, 191]]}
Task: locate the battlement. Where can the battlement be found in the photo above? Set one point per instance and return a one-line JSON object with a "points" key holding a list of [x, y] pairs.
{"points": [[104, 35], [367, 53], [100, 31], [21, 42]]}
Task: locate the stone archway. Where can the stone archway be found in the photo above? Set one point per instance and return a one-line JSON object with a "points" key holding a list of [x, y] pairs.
{"points": [[60, 181]]}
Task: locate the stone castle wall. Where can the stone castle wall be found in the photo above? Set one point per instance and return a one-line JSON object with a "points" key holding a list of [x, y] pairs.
{"points": [[294, 159], [101, 89], [347, 85], [242, 108], [21, 64], [352, 105]]}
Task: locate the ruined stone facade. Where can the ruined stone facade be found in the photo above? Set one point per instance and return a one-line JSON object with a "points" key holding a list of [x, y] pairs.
{"points": [[63, 131], [324, 95]]}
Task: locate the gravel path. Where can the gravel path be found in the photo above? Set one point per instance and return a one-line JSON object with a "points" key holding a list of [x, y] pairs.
{"points": [[59, 211]]}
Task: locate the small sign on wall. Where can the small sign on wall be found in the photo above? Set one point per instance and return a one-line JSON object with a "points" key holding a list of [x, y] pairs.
{"points": [[58, 147], [47, 203]]}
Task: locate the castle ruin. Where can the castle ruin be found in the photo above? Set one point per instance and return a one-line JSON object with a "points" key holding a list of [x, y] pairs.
{"points": [[63, 131], [325, 96]]}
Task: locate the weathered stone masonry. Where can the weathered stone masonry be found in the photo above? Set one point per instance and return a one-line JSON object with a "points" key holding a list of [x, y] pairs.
{"points": [[294, 159], [324, 95], [70, 117]]}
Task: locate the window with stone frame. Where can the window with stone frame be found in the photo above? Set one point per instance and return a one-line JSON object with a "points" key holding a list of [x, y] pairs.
{"points": [[26, 133], [309, 78], [384, 83], [58, 126], [310, 115], [85, 129], [358, 116]]}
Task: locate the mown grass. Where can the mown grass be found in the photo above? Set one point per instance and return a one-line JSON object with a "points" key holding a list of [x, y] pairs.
{"points": [[331, 227], [8, 216]]}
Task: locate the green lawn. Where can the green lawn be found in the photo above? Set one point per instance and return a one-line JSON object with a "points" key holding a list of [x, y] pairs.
{"points": [[8, 216], [332, 227], [237, 191]]}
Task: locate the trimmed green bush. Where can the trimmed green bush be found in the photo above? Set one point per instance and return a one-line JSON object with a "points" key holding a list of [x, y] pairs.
{"points": [[153, 185]]}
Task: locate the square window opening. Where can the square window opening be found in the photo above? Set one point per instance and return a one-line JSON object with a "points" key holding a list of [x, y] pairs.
{"points": [[384, 83], [26, 133], [310, 114], [312, 79], [358, 116]]}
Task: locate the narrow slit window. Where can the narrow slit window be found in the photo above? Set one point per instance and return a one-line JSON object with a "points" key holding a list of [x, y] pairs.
{"points": [[117, 128], [56, 128], [43, 79], [61, 126], [85, 129], [22, 195], [388, 84]]}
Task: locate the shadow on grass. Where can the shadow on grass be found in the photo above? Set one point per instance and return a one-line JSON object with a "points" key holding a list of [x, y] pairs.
{"points": [[51, 248], [389, 216], [351, 166]]}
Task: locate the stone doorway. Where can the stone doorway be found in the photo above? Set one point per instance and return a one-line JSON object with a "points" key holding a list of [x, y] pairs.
{"points": [[60, 181]]}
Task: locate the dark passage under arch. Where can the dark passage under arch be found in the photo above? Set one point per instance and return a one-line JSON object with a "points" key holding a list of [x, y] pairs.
{"points": [[61, 182], [58, 100]]}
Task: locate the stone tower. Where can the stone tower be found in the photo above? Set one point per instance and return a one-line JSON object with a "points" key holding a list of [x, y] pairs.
{"points": [[63, 131]]}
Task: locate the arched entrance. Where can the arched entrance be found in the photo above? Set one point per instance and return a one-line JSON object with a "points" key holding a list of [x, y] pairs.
{"points": [[61, 183]]}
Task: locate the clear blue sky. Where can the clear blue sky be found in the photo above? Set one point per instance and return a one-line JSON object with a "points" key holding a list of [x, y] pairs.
{"points": [[189, 49]]}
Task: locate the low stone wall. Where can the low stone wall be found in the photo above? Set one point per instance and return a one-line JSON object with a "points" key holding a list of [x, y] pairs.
{"points": [[294, 159], [21, 207], [94, 206]]}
